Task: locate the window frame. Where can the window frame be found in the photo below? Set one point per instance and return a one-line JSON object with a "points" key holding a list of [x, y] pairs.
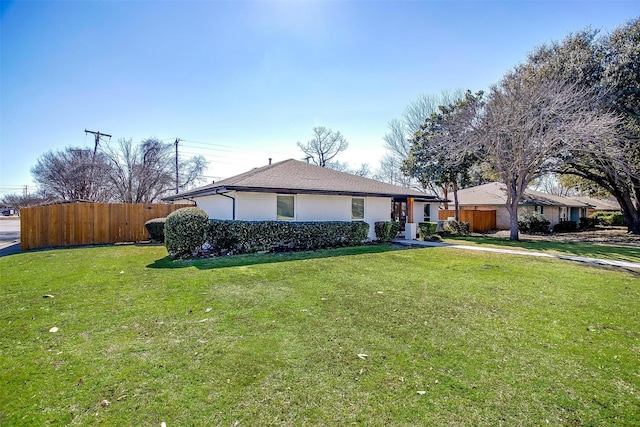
{"points": [[280, 217], [353, 217]]}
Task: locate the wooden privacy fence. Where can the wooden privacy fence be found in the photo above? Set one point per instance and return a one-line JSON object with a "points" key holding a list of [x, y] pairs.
{"points": [[479, 221], [75, 224]]}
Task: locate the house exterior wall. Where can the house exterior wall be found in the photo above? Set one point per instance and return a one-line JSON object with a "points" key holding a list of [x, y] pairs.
{"points": [[311, 207], [308, 207], [218, 207], [256, 206]]}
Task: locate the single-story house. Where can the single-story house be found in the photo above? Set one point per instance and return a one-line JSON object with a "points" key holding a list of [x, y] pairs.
{"points": [[493, 196], [598, 205], [292, 190]]}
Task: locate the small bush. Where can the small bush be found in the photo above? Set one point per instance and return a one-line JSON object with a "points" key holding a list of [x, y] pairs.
{"points": [[386, 231], [427, 229], [185, 231], [456, 227], [565, 227], [241, 237], [587, 223], [155, 227], [609, 218], [533, 222]]}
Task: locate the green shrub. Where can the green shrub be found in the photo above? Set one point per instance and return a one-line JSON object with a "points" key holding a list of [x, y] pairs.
{"points": [[427, 229], [565, 227], [386, 231], [240, 237], [185, 231], [587, 223], [155, 227], [533, 222], [456, 227], [609, 218]]}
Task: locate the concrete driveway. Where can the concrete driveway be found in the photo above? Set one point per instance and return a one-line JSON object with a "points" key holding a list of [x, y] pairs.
{"points": [[9, 235]]}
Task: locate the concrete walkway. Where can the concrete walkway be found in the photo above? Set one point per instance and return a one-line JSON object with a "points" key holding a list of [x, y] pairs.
{"points": [[418, 243]]}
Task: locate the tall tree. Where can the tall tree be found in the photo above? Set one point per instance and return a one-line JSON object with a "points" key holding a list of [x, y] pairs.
{"points": [[72, 174], [144, 173], [432, 158], [610, 64], [401, 131], [324, 146], [529, 125]]}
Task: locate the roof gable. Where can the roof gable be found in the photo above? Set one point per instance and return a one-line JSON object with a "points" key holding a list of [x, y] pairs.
{"points": [[293, 176]]}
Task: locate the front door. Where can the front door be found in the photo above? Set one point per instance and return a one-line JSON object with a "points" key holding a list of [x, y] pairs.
{"points": [[399, 213]]}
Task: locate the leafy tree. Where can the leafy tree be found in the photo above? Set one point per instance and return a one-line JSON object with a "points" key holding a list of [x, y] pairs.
{"points": [[324, 146], [433, 158], [611, 65]]}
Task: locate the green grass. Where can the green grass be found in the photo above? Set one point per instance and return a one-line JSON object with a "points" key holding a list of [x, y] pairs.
{"points": [[589, 250], [490, 339]]}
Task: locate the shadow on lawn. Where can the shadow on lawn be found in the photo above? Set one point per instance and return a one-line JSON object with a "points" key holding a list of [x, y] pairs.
{"points": [[587, 250], [255, 259]]}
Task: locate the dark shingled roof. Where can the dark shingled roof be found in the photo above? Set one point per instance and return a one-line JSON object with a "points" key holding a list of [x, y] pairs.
{"points": [[295, 177]]}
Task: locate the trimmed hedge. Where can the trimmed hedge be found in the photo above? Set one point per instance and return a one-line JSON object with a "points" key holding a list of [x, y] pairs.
{"points": [[427, 229], [587, 223], [386, 231], [609, 218], [565, 227], [241, 237], [533, 222], [185, 232], [155, 227]]}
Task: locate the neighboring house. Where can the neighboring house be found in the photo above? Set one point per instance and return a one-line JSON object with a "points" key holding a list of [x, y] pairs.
{"points": [[597, 205], [297, 191], [493, 196]]}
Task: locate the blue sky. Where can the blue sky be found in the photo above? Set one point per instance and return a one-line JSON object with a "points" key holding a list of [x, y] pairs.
{"points": [[242, 81]]}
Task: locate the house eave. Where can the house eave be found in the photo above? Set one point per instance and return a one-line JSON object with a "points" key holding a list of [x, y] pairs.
{"points": [[280, 190]]}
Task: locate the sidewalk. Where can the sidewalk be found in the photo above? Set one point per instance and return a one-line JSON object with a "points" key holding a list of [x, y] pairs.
{"points": [[418, 243]]}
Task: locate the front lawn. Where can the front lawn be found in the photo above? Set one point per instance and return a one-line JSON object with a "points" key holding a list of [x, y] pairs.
{"points": [[364, 336]]}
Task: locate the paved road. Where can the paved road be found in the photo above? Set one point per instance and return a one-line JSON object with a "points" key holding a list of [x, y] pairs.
{"points": [[9, 230], [9, 235]]}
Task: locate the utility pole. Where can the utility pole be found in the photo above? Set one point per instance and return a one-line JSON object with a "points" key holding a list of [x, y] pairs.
{"points": [[177, 178], [97, 137]]}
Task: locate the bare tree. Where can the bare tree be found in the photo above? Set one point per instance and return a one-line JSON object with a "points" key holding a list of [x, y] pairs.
{"points": [[72, 174], [528, 126], [324, 146], [551, 183], [20, 201], [402, 130], [145, 172], [432, 159]]}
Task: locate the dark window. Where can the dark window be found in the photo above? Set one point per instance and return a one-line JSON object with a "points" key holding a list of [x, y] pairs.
{"points": [[286, 208], [357, 208]]}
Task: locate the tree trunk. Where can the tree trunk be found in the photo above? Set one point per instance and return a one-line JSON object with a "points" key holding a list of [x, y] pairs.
{"points": [[455, 200], [513, 221]]}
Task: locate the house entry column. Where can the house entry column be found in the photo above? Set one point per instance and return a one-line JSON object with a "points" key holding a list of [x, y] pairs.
{"points": [[410, 229]]}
